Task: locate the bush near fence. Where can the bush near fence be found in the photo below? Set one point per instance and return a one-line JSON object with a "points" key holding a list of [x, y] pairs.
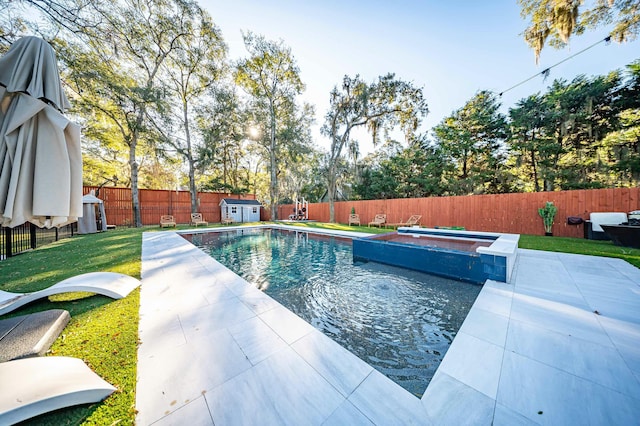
{"points": [[509, 213], [156, 202]]}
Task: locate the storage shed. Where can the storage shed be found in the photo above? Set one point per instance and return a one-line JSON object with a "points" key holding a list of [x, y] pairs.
{"points": [[240, 210]]}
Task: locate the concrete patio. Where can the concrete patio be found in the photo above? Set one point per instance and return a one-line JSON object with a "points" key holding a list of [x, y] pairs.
{"points": [[559, 346]]}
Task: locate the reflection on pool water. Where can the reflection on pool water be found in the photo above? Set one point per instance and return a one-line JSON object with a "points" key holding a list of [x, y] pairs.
{"points": [[469, 245], [399, 321]]}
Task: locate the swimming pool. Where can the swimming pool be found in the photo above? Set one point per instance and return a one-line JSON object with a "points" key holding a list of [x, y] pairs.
{"points": [[399, 321]]}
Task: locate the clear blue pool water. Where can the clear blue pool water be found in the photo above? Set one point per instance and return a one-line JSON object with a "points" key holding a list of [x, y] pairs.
{"points": [[401, 322]]}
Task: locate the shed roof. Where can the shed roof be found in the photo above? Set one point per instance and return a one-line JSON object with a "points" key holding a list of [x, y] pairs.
{"points": [[234, 201]]}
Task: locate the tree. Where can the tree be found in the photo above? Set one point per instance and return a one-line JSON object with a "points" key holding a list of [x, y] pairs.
{"points": [[473, 139], [271, 76], [296, 152], [222, 123], [143, 33], [530, 143], [413, 172], [196, 62], [553, 22], [115, 63], [583, 111], [378, 107], [622, 145]]}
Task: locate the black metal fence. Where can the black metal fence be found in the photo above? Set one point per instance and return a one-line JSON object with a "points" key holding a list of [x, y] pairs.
{"points": [[28, 236]]}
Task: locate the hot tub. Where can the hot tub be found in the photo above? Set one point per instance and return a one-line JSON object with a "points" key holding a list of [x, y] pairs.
{"points": [[463, 255]]}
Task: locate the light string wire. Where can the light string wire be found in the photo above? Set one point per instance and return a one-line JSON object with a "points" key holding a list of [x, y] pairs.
{"points": [[545, 72]]}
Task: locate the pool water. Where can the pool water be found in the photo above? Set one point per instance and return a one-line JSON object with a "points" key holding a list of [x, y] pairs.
{"points": [[399, 321], [469, 245]]}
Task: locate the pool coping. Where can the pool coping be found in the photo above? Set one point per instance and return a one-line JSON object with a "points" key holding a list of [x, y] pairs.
{"points": [[486, 369]]}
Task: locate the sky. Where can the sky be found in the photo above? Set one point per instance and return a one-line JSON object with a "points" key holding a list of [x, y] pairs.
{"points": [[452, 49]]}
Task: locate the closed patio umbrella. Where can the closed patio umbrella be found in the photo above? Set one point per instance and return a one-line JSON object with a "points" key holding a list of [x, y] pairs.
{"points": [[40, 152]]}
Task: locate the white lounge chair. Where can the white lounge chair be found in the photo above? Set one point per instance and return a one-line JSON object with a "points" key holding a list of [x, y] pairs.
{"points": [[34, 386], [109, 284]]}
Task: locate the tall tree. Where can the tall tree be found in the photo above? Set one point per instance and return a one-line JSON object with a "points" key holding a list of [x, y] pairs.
{"points": [[473, 139], [223, 125], [378, 107], [622, 145], [298, 154], [271, 76], [582, 113], [196, 62], [116, 63], [413, 172], [553, 22], [143, 33], [531, 145]]}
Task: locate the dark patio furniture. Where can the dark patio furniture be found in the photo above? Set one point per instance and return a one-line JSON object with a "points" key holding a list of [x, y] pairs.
{"points": [[623, 235]]}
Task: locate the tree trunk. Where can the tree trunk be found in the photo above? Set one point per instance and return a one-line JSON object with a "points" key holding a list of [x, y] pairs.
{"points": [[535, 171], [135, 198], [192, 187], [331, 192], [192, 171], [273, 187]]}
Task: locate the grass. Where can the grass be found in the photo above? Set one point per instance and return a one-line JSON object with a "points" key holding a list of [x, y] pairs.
{"points": [[580, 246], [104, 332]]}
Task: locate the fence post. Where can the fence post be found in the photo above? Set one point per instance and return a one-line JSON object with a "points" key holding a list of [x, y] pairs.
{"points": [[32, 235], [56, 233], [8, 242]]}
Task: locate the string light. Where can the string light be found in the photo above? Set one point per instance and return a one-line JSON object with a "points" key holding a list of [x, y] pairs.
{"points": [[545, 73]]}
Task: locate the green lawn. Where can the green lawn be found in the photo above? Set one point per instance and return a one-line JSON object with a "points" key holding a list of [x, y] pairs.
{"points": [[580, 246], [104, 332]]}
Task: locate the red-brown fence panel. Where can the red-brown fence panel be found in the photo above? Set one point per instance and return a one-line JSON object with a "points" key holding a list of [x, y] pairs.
{"points": [[511, 213], [155, 203]]}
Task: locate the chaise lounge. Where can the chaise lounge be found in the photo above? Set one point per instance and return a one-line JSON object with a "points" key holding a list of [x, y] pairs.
{"points": [[412, 221], [34, 386], [110, 284]]}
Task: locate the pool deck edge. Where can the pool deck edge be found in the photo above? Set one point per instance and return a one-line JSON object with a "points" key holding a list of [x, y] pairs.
{"points": [[215, 349]]}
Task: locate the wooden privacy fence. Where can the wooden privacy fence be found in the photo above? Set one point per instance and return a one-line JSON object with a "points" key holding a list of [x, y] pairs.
{"points": [[155, 203], [510, 213]]}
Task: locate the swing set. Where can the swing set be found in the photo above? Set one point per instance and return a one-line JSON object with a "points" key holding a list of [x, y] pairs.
{"points": [[300, 210]]}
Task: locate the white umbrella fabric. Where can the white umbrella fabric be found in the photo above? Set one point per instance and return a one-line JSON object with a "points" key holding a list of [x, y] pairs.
{"points": [[40, 152]]}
